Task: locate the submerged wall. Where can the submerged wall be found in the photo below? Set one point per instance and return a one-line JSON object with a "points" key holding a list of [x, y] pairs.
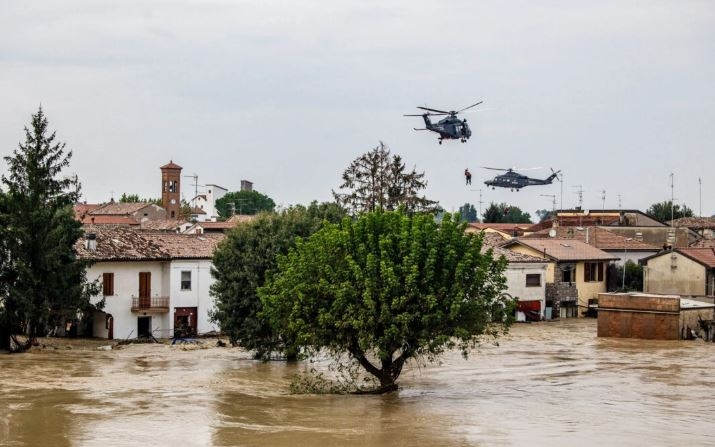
{"points": [[661, 317]]}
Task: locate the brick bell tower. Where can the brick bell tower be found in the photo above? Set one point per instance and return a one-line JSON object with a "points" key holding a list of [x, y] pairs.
{"points": [[171, 189]]}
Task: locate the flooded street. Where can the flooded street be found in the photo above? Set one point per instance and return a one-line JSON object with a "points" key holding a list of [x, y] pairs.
{"points": [[545, 384]]}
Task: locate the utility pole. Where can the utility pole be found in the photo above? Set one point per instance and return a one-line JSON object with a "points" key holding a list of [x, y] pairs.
{"points": [[480, 203], [672, 199], [560, 178], [700, 183]]}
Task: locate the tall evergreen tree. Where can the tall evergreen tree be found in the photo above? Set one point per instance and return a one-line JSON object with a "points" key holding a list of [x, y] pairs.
{"points": [[377, 181], [43, 281]]}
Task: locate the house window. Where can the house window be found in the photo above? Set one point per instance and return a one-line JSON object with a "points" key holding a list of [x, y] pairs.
{"points": [[533, 280], [185, 280], [108, 284], [567, 275], [593, 271]]}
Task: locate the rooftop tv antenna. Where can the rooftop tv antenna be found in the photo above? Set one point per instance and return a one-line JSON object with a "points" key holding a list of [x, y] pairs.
{"points": [[196, 188], [580, 194], [672, 199], [603, 199], [553, 201]]}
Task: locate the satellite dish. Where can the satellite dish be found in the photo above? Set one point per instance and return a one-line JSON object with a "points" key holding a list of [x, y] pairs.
{"points": [[552, 233]]}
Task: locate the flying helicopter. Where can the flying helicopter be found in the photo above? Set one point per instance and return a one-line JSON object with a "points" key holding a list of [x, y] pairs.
{"points": [[515, 181], [450, 127]]}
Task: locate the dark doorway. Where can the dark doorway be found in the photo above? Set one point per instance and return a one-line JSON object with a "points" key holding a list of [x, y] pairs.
{"points": [[110, 326], [144, 326], [184, 322]]}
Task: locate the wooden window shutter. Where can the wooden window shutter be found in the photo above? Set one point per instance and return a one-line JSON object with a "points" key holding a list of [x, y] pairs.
{"points": [[587, 271], [144, 284], [108, 284], [600, 271]]}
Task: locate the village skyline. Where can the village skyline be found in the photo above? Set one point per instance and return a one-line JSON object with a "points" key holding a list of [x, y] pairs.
{"points": [[616, 95]]}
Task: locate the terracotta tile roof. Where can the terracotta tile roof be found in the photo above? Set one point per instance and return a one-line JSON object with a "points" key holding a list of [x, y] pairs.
{"points": [[495, 240], [505, 227], [216, 225], [163, 225], [695, 223], [108, 220], [84, 208], [118, 243], [187, 246], [598, 237], [121, 243], [120, 209], [703, 243], [705, 256], [171, 165], [563, 249], [514, 257]]}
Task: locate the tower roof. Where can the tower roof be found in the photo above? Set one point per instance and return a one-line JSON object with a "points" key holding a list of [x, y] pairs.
{"points": [[171, 165]]}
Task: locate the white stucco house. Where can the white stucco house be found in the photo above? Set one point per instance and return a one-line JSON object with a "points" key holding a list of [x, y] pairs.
{"points": [[153, 283], [525, 279], [206, 202]]}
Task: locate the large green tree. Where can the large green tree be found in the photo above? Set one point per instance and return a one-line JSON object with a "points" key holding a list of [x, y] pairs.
{"points": [[240, 266], [665, 211], [503, 213], [243, 202], [44, 282], [378, 181], [386, 288]]}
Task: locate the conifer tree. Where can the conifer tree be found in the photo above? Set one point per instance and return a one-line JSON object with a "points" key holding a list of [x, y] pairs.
{"points": [[42, 280]]}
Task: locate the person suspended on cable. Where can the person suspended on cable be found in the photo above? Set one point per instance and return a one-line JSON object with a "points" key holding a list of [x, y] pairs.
{"points": [[468, 176]]}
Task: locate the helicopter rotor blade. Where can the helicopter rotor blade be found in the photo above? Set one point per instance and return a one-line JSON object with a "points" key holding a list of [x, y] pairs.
{"points": [[434, 110], [469, 107], [496, 169]]}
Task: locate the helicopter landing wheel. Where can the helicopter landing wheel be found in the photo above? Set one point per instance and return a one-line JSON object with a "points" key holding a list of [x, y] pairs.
{"points": [[440, 141]]}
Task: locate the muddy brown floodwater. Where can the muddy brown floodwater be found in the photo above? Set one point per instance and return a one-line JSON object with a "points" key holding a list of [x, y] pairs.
{"points": [[553, 384]]}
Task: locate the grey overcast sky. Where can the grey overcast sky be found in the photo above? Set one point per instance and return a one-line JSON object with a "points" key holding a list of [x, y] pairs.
{"points": [[617, 94]]}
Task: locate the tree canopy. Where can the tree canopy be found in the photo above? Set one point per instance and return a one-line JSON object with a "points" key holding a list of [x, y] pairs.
{"points": [[662, 211], [134, 198], [240, 265], [503, 213], [386, 288], [468, 213], [378, 181], [43, 281], [243, 202]]}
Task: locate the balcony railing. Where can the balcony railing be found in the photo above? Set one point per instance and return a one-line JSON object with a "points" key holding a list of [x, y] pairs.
{"points": [[150, 304]]}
